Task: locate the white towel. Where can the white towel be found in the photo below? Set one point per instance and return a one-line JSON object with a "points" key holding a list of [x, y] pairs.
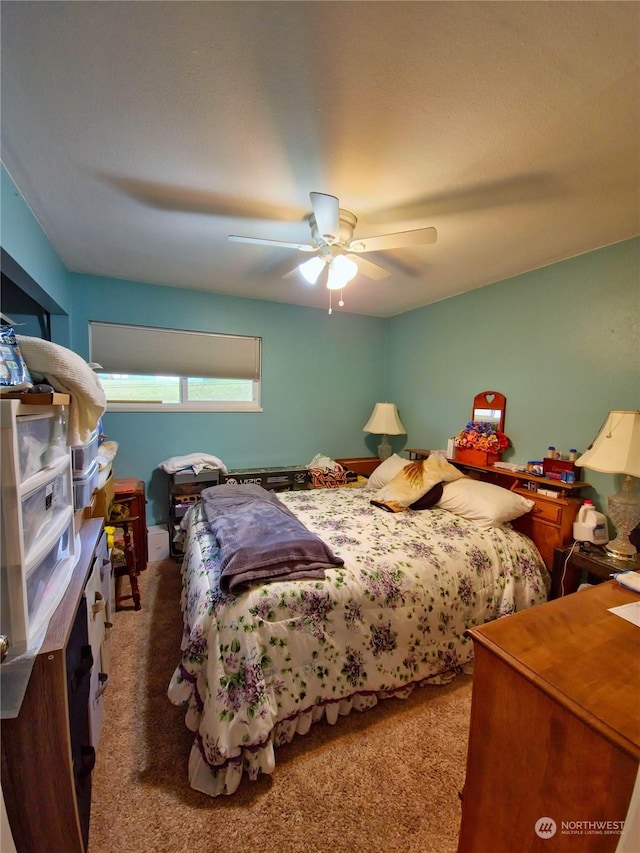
{"points": [[70, 374], [197, 461]]}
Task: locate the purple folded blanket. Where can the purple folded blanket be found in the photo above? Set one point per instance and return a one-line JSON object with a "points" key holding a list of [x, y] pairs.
{"points": [[260, 539]]}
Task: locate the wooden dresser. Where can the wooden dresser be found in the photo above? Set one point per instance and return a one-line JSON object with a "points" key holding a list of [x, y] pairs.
{"points": [[555, 727], [48, 750]]}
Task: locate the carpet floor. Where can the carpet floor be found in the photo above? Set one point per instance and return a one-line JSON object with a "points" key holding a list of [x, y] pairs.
{"points": [[384, 780]]}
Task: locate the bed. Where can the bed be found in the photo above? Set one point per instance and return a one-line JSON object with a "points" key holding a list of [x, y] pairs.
{"points": [[264, 664]]}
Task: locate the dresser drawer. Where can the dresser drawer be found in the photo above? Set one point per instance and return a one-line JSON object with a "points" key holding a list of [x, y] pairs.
{"points": [[545, 510]]}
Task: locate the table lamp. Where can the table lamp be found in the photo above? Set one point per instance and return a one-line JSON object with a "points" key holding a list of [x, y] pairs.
{"points": [[384, 421], [616, 450]]}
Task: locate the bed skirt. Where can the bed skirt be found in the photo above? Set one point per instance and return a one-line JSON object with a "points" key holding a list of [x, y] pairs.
{"points": [[260, 760]]}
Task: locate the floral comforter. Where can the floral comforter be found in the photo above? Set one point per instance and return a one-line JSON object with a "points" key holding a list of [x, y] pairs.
{"points": [[260, 666]]}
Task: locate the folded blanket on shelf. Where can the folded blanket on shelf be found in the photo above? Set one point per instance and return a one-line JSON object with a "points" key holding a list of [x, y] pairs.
{"points": [[70, 374], [197, 461], [260, 539]]}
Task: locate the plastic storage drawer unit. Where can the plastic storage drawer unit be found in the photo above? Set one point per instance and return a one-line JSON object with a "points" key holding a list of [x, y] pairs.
{"points": [[29, 601], [84, 486], [42, 507], [83, 455], [37, 547], [38, 438], [48, 579]]}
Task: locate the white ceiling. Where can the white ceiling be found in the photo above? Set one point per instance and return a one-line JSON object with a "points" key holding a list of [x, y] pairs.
{"points": [[142, 134]]}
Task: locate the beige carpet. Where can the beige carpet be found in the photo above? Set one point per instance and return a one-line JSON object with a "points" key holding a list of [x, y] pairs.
{"points": [[384, 780]]}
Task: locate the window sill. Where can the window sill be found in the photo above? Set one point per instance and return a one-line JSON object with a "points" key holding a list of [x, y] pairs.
{"points": [[183, 407]]}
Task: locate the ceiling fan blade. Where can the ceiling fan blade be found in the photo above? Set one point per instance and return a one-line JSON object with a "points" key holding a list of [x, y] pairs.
{"points": [[260, 241], [368, 268], [201, 201], [326, 210], [400, 240], [513, 190]]}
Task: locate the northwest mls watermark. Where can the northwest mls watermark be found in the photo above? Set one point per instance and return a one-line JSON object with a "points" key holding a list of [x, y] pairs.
{"points": [[546, 827]]}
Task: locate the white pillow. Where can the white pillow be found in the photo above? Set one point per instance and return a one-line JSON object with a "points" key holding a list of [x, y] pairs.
{"points": [[386, 471], [483, 503]]}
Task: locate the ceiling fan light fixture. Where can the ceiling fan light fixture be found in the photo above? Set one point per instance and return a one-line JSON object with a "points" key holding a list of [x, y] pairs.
{"points": [[311, 269], [341, 271], [332, 229]]}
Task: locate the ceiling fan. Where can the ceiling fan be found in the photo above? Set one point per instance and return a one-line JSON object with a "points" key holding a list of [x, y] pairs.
{"points": [[337, 256]]}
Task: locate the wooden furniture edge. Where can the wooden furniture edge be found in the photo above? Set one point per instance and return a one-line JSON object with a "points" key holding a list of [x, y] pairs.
{"points": [[24, 781], [55, 399], [363, 465], [615, 596]]}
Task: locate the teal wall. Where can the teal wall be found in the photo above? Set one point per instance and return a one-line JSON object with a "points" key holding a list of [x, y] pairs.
{"points": [[23, 238], [562, 343], [321, 376]]}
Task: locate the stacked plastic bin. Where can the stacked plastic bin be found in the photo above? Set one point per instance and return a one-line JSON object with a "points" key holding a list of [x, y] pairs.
{"points": [[84, 464]]}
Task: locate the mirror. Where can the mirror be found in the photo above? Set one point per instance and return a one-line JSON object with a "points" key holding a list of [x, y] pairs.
{"points": [[488, 408]]}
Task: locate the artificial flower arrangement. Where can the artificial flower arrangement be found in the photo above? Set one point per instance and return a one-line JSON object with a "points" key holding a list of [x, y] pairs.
{"points": [[480, 436]]}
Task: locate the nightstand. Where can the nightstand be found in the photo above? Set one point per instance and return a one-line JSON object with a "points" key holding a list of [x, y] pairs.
{"points": [[577, 558]]}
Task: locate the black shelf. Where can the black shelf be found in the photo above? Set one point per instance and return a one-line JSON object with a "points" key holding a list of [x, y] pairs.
{"points": [[184, 491]]}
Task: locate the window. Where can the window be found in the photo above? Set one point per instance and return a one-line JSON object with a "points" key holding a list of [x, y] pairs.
{"points": [[151, 369]]}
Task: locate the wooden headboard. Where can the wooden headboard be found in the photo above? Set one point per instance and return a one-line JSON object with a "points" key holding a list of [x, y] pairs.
{"points": [[363, 465]]}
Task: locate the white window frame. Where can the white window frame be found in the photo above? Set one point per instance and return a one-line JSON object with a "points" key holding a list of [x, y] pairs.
{"points": [[187, 338]]}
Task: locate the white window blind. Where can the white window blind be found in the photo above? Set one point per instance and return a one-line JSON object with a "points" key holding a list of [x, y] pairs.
{"points": [[173, 352]]}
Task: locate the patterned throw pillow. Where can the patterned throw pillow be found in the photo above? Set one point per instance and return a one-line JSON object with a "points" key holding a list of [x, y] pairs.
{"points": [[414, 481]]}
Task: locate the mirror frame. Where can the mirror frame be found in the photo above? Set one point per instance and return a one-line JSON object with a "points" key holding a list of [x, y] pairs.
{"points": [[497, 403]]}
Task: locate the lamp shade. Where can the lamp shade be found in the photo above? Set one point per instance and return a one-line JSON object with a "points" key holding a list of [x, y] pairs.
{"points": [[384, 420], [616, 448]]}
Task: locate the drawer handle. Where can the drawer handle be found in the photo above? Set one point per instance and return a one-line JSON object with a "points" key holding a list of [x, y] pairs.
{"points": [[83, 667], [99, 603], [103, 678], [87, 763], [536, 510]]}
